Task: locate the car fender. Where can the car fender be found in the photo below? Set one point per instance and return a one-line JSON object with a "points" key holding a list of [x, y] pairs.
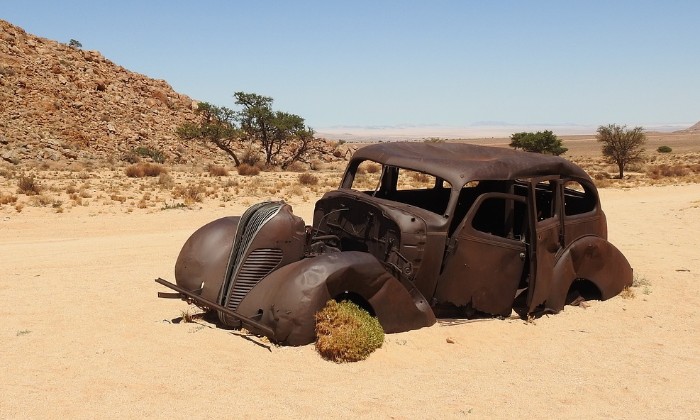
{"points": [[201, 264], [594, 259], [288, 299]]}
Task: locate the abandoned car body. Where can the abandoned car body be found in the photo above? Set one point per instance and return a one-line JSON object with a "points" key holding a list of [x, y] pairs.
{"points": [[415, 230]]}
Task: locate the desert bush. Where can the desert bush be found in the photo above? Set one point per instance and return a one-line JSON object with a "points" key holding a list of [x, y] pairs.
{"points": [[308, 179], [190, 193], [215, 170], [373, 168], [664, 149], [130, 157], [247, 170], [28, 185], [140, 170], [165, 180], [346, 333], [665, 171], [149, 152], [251, 156], [296, 167], [7, 199]]}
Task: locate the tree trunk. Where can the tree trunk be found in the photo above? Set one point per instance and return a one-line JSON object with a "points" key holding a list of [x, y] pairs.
{"points": [[228, 151], [621, 168]]}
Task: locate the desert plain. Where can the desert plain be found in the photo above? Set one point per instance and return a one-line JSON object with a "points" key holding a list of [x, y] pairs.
{"points": [[84, 336]]}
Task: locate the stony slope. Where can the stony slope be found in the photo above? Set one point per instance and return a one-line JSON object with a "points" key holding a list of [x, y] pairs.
{"points": [[60, 103]]}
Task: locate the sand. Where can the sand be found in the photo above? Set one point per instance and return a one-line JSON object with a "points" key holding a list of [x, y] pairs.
{"points": [[84, 336]]}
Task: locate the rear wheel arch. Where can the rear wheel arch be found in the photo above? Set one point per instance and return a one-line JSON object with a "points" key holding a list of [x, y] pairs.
{"points": [[588, 259]]}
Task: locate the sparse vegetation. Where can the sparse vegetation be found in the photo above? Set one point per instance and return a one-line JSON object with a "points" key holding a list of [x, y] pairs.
{"points": [[28, 185], [156, 155], [627, 293], [215, 170], [622, 146], [307, 179], [540, 142], [74, 43], [143, 169], [247, 170], [346, 333], [664, 149]]}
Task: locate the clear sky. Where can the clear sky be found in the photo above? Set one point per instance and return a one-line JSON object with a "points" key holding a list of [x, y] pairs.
{"points": [[386, 63]]}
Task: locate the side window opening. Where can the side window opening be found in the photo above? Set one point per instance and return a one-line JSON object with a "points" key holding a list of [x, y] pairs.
{"points": [[544, 196], [501, 217], [578, 199]]}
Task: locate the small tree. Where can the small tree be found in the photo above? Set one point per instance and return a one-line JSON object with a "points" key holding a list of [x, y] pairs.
{"points": [[217, 125], [284, 137], [539, 142], [74, 43], [622, 146]]}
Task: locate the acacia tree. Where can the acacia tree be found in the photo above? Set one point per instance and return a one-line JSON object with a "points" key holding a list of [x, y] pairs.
{"points": [[622, 146], [283, 137], [539, 142], [217, 125]]}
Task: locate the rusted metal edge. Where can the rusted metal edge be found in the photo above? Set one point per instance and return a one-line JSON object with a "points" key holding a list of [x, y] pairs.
{"points": [[209, 304]]}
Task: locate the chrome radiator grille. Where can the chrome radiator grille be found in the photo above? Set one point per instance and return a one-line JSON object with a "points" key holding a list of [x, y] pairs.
{"points": [[259, 264], [242, 276]]}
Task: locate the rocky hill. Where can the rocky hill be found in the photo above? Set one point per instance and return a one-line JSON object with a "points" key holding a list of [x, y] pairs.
{"points": [[695, 128], [64, 104]]}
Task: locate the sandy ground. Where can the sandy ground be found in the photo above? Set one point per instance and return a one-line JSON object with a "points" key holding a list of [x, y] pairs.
{"points": [[84, 336]]}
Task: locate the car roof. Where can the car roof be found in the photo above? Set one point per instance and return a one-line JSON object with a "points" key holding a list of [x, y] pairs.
{"points": [[459, 163]]}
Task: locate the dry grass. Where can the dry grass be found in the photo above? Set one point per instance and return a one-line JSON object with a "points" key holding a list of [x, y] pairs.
{"points": [[215, 170], [28, 185], [307, 179], [7, 199], [83, 184], [143, 169], [245, 169]]}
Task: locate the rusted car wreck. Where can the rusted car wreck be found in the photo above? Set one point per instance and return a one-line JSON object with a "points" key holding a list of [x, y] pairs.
{"points": [[415, 230]]}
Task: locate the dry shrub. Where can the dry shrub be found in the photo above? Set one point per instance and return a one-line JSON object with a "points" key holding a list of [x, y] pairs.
{"points": [[296, 167], [117, 197], [308, 179], [28, 185], [317, 165], [144, 169], [420, 177], [295, 190], [7, 199], [373, 168], [346, 333], [190, 193], [166, 181], [251, 157], [247, 170], [627, 293], [665, 171], [215, 170]]}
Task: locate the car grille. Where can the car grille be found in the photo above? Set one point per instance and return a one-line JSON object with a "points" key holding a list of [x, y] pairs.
{"points": [[244, 275]]}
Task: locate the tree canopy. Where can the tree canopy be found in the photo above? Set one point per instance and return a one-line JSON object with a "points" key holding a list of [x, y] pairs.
{"points": [[539, 142], [217, 125], [622, 146], [284, 138]]}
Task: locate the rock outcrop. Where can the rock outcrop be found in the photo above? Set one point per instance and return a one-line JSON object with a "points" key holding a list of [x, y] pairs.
{"points": [[62, 103]]}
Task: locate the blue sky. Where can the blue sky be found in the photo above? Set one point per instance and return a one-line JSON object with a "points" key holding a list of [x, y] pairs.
{"points": [[388, 63]]}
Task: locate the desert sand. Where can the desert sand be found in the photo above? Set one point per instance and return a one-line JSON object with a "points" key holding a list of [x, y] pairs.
{"points": [[84, 335]]}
